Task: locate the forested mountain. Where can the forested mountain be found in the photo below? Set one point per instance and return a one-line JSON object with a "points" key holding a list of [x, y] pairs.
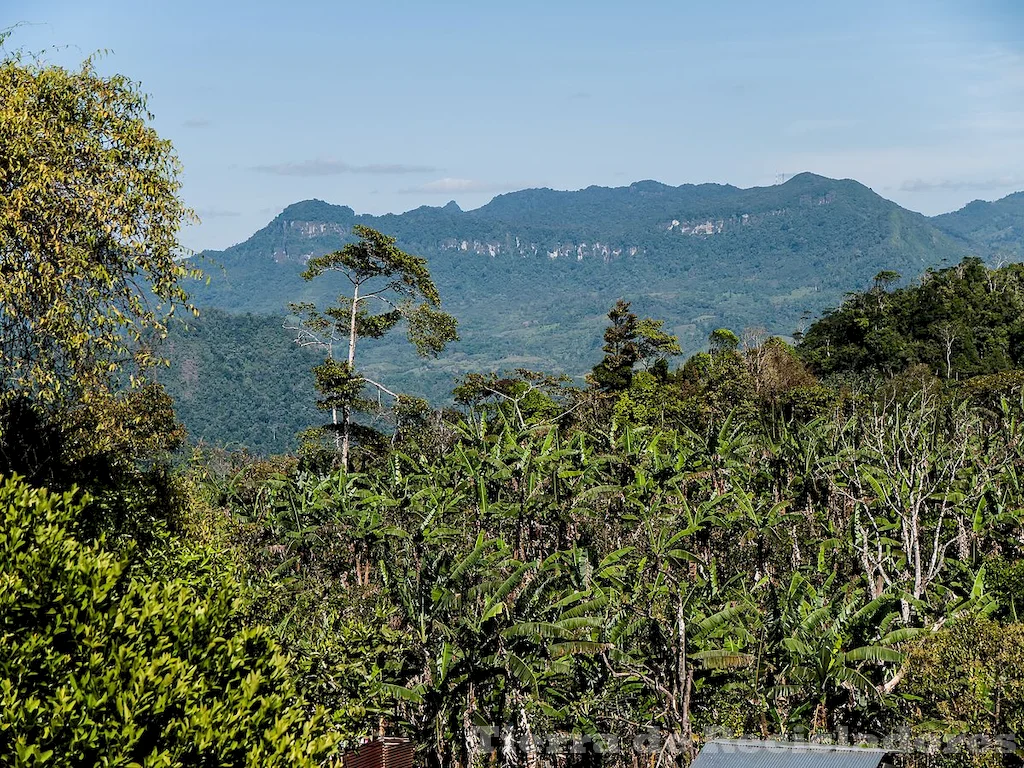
{"points": [[531, 275], [779, 243], [996, 229]]}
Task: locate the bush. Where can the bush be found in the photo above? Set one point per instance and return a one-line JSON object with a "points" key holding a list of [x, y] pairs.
{"points": [[968, 678], [97, 666]]}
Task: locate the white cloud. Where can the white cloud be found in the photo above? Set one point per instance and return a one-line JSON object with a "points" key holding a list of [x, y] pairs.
{"points": [[449, 186], [329, 167], [216, 213]]}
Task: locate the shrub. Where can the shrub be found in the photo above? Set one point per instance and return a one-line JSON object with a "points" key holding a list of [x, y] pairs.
{"points": [[99, 667]]}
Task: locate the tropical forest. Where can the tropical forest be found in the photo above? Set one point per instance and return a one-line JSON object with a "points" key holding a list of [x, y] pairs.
{"points": [[574, 479]]}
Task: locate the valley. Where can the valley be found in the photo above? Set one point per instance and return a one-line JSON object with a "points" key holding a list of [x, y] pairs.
{"points": [[531, 275]]}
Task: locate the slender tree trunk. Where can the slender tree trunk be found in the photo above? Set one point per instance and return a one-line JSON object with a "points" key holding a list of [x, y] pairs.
{"points": [[687, 727], [334, 408], [684, 683], [337, 435], [352, 328], [351, 359], [345, 438]]}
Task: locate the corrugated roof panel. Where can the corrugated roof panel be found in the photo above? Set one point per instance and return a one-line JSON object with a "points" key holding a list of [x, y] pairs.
{"points": [[387, 752], [777, 754]]}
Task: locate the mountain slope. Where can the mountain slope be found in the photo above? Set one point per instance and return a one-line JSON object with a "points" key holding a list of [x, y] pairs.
{"points": [[531, 274], [996, 229], [690, 251]]}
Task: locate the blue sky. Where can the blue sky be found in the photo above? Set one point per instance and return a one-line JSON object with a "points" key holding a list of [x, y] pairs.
{"points": [[385, 106]]}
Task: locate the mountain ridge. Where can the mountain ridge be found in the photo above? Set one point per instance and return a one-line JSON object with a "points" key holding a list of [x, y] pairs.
{"points": [[531, 274], [304, 208], [547, 202], [545, 218], [996, 225]]}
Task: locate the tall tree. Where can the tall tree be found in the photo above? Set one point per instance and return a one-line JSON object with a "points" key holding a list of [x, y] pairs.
{"points": [[90, 278], [89, 221], [400, 285], [629, 340]]}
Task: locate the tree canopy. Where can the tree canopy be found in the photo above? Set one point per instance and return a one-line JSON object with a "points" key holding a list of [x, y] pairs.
{"points": [[961, 321], [89, 220], [629, 340], [379, 273]]}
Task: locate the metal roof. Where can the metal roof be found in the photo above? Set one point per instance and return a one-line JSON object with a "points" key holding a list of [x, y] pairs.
{"points": [[723, 753], [384, 752]]}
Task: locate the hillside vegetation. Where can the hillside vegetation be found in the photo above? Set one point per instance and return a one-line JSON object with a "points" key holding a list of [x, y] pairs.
{"points": [[996, 229], [823, 541], [768, 258], [961, 321]]}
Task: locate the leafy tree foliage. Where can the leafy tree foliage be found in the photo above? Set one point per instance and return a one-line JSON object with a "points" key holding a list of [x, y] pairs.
{"points": [[628, 340], [961, 321], [100, 667], [90, 275], [89, 219], [378, 271]]}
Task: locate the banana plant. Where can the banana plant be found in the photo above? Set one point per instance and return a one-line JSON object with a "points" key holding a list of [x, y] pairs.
{"points": [[838, 652]]}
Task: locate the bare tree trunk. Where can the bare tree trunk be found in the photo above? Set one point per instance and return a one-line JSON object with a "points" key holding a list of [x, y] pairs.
{"points": [[352, 327], [334, 408], [351, 359], [334, 420], [684, 683]]}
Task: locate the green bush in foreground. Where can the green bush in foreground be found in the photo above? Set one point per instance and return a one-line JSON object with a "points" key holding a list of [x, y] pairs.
{"points": [[99, 668]]}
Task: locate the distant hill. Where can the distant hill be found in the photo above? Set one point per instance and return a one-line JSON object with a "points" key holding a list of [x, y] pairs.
{"points": [[811, 232], [995, 229], [532, 274], [238, 380]]}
